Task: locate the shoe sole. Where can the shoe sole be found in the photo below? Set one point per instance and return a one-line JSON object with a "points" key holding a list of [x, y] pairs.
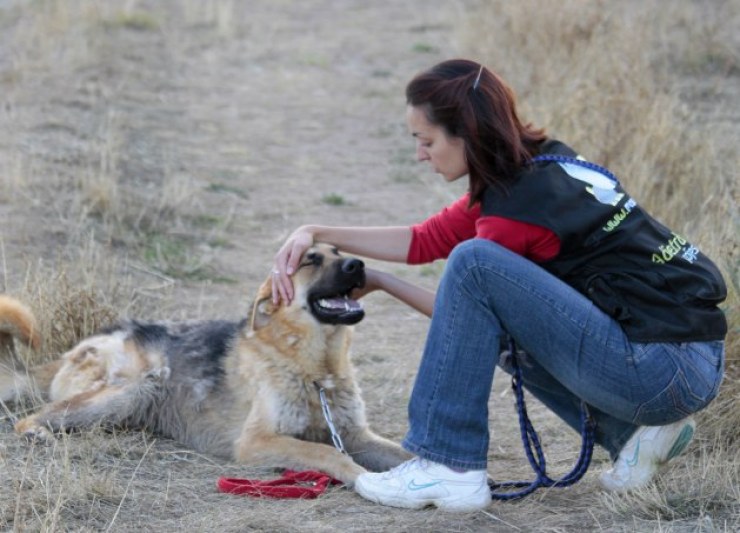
{"points": [[682, 441], [460, 505], [391, 502]]}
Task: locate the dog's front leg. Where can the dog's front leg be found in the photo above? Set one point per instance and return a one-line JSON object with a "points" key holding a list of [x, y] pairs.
{"points": [[374, 452], [289, 452]]}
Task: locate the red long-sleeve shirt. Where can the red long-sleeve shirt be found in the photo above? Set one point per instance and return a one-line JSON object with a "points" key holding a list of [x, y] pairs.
{"points": [[439, 234]]}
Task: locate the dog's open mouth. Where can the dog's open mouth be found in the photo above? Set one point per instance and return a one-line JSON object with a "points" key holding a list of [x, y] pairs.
{"points": [[329, 296], [336, 309]]}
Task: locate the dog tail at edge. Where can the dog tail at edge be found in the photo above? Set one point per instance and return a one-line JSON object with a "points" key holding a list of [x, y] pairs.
{"points": [[17, 324], [16, 320]]}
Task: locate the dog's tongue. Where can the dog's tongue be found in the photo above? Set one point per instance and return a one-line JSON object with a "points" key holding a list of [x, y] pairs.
{"points": [[340, 303]]}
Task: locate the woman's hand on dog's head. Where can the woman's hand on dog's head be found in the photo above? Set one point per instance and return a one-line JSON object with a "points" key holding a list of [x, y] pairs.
{"points": [[286, 262]]}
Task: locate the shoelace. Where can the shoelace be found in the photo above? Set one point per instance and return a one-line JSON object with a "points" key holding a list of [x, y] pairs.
{"points": [[403, 467]]}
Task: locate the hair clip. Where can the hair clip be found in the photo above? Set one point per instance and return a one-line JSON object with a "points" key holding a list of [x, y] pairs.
{"points": [[477, 79]]}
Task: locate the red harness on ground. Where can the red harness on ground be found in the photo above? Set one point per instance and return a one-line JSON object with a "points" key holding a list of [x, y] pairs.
{"points": [[307, 484]]}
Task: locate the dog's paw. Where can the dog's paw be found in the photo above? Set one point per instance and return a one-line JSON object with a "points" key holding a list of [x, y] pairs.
{"points": [[32, 432], [348, 476]]}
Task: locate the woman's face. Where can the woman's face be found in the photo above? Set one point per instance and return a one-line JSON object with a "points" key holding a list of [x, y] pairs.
{"points": [[444, 152]]}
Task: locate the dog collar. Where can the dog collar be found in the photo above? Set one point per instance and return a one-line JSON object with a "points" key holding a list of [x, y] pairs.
{"points": [[335, 437]]}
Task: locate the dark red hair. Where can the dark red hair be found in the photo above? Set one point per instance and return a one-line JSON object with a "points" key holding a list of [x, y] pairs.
{"points": [[497, 144]]}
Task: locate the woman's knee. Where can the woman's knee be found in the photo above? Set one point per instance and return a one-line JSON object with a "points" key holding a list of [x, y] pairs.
{"points": [[465, 258], [473, 252], [469, 256]]}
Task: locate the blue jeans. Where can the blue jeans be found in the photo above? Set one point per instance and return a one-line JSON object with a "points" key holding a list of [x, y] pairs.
{"points": [[574, 352]]}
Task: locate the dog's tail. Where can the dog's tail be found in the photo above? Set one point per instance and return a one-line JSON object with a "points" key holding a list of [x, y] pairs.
{"points": [[16, 320], [17, 324]]}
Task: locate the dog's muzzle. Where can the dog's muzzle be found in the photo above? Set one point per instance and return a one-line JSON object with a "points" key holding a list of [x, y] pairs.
{"points": [[329, 299]]}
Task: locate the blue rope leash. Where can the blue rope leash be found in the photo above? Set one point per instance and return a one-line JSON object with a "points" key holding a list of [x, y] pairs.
{"points": [[533, 448], [580, 162], [530, 440]]}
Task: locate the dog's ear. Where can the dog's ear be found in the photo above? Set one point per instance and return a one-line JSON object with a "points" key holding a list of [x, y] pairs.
{"points": [[263, 307]]}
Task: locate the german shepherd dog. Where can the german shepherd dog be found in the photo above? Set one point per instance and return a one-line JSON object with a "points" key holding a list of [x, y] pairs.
{"points": [[247, 390]]}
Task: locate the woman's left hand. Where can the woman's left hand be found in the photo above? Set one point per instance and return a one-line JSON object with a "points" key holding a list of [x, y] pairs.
{"points": [[373, 282]]}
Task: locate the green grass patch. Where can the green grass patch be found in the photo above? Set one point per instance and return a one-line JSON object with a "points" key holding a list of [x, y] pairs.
{"points": [[220, 242], [381, 73], [177, 257], [223, 188], [423, 48], [207, 221], [138, 21], [334, 199], [173, 256], [402, 176]]}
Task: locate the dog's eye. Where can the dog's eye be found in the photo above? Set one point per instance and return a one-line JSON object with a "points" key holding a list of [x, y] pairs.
{"points": [[312, 259]]}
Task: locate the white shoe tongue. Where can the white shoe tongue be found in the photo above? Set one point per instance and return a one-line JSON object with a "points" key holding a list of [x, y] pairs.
{"points": [[340, 303]]}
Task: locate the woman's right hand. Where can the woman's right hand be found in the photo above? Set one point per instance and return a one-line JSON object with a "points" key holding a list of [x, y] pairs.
{"points": [[373, 282], [412, 295], [286, 262]]}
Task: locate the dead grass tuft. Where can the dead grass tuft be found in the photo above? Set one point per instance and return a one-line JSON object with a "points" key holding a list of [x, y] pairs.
{"points": [[74, 314], [702, 485]]}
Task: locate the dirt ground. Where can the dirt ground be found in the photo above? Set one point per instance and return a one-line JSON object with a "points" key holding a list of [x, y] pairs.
{"points": [[233, 123]]}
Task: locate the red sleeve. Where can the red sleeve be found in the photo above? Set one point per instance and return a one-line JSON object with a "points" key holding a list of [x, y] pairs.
{"points": [[439, 234], [536, 243]]}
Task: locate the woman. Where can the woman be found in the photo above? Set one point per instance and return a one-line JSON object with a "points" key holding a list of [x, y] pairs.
{"points": [[612, 308]]}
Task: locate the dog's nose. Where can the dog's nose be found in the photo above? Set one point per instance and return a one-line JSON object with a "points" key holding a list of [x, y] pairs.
{"points": [[350, 266]]}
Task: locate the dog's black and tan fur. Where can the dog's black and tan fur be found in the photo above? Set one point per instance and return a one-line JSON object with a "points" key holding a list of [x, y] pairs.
{"points": [[243, 390]]}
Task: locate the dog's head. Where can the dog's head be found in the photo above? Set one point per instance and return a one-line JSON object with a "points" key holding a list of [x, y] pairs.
{"points": [[322, 283]]}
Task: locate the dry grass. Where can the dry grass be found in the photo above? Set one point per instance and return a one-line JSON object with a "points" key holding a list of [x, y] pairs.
{"points": [[133, 227]]}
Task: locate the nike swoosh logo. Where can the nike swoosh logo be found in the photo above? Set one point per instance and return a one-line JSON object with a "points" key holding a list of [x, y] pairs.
{"points": [[633, 461], [415, 486]]}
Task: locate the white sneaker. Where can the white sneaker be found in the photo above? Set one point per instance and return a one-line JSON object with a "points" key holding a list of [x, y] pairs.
{"points": [[645, 452], [418, 483]]}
